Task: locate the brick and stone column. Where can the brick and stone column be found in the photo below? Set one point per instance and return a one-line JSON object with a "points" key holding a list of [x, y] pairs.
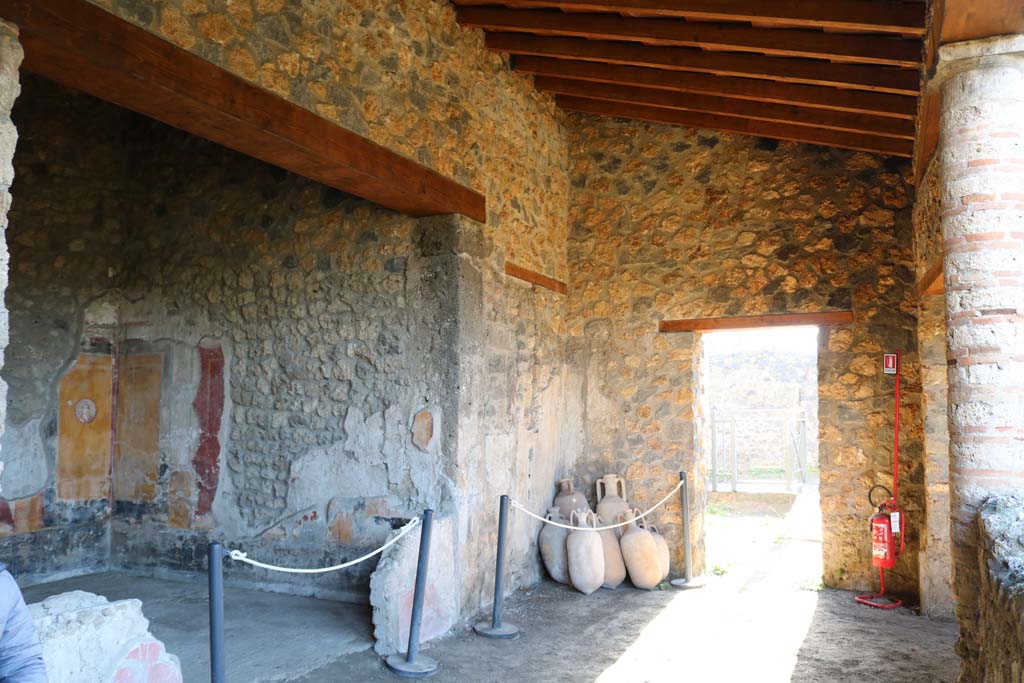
{"points": [[982, 165], [10, 88]]}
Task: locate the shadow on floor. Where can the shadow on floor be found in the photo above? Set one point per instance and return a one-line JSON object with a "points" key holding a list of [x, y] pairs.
{"points": [[268, 636]]}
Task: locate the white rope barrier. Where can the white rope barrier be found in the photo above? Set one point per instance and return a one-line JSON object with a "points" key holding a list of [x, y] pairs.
{"points": [[518, 505], [243, 557]]}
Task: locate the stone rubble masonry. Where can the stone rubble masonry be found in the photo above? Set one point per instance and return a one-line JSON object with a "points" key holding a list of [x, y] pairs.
{"points": [[674, 223], [981, 147], [10, 59], [85, 637], [1001, 589]]}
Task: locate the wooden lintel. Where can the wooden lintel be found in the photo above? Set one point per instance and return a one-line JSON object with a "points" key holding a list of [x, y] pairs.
{"points": [[747, 321], [535, 278], [933, 280], [86, 48]]}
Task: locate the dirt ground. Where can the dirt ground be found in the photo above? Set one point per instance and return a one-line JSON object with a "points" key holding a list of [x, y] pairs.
{"points": [[762, 617]]}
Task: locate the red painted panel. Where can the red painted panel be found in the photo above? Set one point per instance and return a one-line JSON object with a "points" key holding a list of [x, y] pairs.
{"points": [[209, 407]]}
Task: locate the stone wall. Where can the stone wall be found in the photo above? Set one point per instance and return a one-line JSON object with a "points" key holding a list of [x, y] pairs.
{"points": [[66, 231], [675, 223], [1001, 590], [291, 362]]}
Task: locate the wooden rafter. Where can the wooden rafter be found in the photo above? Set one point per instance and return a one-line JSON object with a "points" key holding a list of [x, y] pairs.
{"points": [[748, 321], [86, 48], [847, 15], [743, 126], [866, 49], [881, 104], [813, 72], [712, 104], [535, 278]]}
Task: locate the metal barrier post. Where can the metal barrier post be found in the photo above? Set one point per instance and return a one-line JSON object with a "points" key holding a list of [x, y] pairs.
{"points": [[413, 664], [687, 581], [497, 629], [216, 576]]}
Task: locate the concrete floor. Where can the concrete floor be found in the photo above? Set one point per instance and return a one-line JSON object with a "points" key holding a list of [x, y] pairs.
{"points": [[760, 618], [763, 618], [268, 636]]}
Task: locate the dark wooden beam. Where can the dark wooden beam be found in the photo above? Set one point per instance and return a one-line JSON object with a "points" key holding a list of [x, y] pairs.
{"points": [[86, 48], [747, 321], [845, 15], [765, 111], [863, 49], [813, 72], [535, 278], [933, 280], [735, 124], [881, 104]]}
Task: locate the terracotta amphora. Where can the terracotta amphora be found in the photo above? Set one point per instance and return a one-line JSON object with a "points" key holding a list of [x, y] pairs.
{"points": [[569, 500], [611, 499], [640, 553], [664, 557], [614, 567], [586, 554], [552, 547]]}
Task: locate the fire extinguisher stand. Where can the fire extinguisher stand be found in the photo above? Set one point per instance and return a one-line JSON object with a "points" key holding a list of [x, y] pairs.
{"points": [[883, 545]]}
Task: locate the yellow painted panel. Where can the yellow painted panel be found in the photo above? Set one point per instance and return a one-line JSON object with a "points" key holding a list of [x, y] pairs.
{"points": [[137, 452], [83, 441]]}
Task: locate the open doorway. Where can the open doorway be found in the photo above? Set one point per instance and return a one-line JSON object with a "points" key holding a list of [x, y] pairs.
{"points": [[761, 400]]}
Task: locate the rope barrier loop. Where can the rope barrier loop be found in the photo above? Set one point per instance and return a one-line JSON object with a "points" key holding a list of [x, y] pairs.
{"points": [[243, 557], [516, 504]]}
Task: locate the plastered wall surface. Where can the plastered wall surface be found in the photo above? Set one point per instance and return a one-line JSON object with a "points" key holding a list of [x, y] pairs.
{"points": [[672, 223]]}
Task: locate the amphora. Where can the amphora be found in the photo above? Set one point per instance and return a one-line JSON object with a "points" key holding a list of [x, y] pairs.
{"points": [[586, 554], [640, 554], [611, 499], [569, 500], [552, 546]]}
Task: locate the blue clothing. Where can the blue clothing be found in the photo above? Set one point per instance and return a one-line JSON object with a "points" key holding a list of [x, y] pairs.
{"points": [[21, 657]]}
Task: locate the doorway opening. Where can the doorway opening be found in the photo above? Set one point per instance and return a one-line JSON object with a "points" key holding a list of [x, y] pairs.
{"points": [[761, 408]]}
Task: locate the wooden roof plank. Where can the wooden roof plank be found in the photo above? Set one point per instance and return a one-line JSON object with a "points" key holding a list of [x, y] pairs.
{"points": [[848, 15], [743, 126], [873, 78], [881, 104], [765, 111], [866, 49], [88, 49]]}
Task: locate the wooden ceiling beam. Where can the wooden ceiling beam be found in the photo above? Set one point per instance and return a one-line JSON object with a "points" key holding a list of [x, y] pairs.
{"points": [[88, 49], [812, 72], [848, 15], [763, 111], [881, 104], [743, 126], [865, 49]]}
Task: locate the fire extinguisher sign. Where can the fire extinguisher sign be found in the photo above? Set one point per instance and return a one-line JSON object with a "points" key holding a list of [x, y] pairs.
{"points": [[890, 364]]}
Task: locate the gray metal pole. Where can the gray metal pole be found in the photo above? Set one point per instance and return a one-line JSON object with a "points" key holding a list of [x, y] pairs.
{"points": [[687, 580], [497, 629], [414, 665], [732, 448], [216, 585], [714, 455]]}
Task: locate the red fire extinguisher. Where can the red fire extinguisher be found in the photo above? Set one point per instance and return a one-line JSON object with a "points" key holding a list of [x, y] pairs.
{"points": [[889, 521]]}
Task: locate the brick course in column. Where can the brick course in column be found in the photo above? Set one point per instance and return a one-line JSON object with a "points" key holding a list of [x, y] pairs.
{"points": [[982, 163]]}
